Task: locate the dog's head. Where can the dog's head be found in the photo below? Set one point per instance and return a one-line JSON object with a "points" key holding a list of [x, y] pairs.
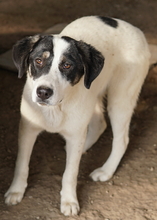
{"points": [[54, 63]]}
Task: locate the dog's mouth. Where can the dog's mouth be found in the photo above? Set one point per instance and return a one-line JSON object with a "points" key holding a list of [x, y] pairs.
{"points": [[42, 103]]}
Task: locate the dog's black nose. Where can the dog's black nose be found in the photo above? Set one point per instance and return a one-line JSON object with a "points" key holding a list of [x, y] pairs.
{"points": [[44, 93]]}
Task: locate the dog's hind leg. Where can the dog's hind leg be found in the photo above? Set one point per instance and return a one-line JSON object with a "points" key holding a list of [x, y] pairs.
{"points": [[96, 126], [27, 137], [121, 102], [120, 126]]}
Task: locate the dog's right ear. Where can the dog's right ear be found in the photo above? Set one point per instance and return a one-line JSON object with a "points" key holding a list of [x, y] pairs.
{"points": [[21, 51], [93, 62]]}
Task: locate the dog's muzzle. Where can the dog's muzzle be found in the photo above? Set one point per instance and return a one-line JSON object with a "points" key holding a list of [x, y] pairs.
{"points": [[43, 94]]}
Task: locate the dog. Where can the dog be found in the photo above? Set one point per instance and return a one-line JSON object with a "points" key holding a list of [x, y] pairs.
{"points": [[68, 76]]}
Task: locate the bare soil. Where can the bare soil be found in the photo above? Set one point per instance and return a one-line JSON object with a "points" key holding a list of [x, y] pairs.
{"points": [[132, 193]]}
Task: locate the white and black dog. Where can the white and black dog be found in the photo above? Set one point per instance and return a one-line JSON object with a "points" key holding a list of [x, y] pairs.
{"points": [[67, 77]]}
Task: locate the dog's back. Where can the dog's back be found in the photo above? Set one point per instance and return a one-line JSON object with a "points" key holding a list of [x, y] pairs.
{"points": [[122, 44], [108, 34]]}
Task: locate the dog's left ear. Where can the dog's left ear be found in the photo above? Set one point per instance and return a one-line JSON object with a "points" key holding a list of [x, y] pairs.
{"points": [[21, 51], [93, 62]]}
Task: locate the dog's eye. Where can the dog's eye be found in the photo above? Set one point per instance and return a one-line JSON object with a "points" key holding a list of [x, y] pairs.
{"points": [[66, 66], [39, 61]]}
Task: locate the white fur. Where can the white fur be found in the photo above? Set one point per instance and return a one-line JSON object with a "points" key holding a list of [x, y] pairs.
{"points": [[126, 65]]}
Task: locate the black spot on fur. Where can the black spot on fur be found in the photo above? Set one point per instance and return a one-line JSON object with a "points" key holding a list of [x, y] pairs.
{"points": [[109, 21]]}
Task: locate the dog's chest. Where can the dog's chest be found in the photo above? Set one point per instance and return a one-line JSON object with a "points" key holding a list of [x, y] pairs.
{"points": [[53, 119]]}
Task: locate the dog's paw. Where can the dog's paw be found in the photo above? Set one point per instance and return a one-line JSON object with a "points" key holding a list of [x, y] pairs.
{"points": [[70, 208], [13, 198], [100, 175]]}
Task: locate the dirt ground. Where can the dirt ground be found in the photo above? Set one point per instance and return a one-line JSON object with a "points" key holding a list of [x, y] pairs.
{"points": [[132, 193]]}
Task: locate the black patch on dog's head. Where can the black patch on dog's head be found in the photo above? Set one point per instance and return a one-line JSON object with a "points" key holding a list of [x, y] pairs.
{"points": [[36, 53], [29, 50], [41, 57], [72, 60], [109, 21], [83, 59]]}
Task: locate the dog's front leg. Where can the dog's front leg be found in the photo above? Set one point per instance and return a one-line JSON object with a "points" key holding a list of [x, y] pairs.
{"points": [[74, 147], [27, 137]]}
